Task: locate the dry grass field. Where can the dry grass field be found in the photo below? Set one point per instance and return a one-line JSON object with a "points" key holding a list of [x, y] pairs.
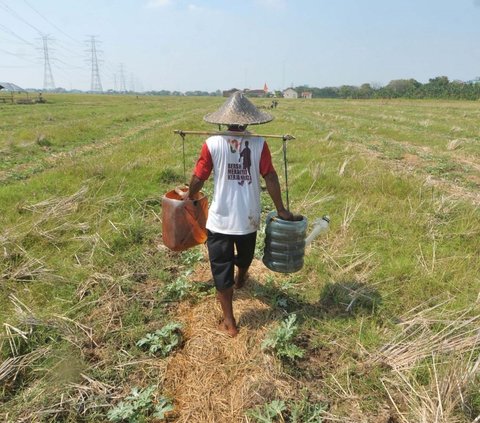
{"points": [[101, 322]]}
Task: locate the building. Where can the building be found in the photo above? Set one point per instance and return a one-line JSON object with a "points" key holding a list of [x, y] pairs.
{"points": [[290, 93], [12, 93], [255, 93], [306, 94], [228, 93], [8, 86]]}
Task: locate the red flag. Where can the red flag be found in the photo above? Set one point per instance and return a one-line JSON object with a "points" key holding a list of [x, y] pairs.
{"points": [[265, 88]]}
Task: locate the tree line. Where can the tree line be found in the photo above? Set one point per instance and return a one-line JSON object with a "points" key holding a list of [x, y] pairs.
{"points": [[196, 93], [438, 87]]}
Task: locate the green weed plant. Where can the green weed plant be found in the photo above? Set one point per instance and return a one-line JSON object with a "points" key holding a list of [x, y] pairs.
{"points": [[179, 288], [139, 405], [269, 412], [163, 341], [281, 340], [301, 411]]}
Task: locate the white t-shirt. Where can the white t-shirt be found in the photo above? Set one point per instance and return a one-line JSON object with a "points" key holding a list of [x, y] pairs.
{"points": [[237, 163]]}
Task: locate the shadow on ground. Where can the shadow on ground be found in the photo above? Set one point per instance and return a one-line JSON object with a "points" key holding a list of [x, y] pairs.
{"points": [[337, 300]]}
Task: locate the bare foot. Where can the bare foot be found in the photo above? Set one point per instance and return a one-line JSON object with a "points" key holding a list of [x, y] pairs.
{"points": [[229, 329], [240, 279]]}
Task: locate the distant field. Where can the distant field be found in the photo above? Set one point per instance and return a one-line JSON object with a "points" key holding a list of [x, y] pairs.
{"points": [[387, 304]]}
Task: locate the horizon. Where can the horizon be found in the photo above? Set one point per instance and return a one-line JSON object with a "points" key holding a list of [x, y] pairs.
{"points": [[57, 90], [177, 45]]}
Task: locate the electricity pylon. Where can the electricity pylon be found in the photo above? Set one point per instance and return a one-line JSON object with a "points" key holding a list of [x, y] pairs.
{"points": [[96, 84], [123, 86], [48, 83]]}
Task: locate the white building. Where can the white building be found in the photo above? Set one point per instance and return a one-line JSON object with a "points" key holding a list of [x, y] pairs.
{"points": [[290, 93]]}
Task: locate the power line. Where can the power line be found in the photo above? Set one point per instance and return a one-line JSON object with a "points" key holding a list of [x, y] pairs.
{"points": [[15, 14], [66, 74], [67, 50], [9, 31], [66, 53], [50, 22], [20, 56], [24, 41], [15, 67]]}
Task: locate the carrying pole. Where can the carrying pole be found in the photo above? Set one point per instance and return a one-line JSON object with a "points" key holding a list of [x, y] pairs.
{"points": [[284, 138]]}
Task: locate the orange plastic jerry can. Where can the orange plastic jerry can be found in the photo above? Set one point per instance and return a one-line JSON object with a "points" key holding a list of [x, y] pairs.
{"points": [[183, 221]]}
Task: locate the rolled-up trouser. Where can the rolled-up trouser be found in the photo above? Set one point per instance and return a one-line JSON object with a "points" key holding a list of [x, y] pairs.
{"points": [[221, 252]]}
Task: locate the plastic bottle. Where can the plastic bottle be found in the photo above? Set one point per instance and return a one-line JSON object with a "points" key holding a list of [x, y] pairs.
{"points": [[183, 221], [284, 244], [320, 226]]}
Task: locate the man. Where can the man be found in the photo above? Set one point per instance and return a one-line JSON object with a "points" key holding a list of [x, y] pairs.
{"points": [[247, 161], [234, 215]]}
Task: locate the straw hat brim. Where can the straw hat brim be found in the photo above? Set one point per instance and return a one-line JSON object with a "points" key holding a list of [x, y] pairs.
{"points": [[238, 110]]}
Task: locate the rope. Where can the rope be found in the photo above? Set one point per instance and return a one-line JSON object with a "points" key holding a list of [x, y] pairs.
{"points": [[286, 171], [184, 164]]}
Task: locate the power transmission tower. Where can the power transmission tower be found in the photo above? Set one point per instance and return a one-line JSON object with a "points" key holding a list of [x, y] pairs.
{"points": [[132, 82], [48, 83], [96, 84], [123, 87]]}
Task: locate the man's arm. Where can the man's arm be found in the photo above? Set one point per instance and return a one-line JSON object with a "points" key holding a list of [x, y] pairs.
{"points": [[273, 188], [194, 187], [203, 168]]}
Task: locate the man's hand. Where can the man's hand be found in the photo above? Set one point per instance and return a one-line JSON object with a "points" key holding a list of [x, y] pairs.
{"points": [[273, 188], [288, 215], [182, 194]]}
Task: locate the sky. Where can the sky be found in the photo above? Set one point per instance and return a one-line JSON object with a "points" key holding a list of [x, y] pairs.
{"points": [[186, 45]]}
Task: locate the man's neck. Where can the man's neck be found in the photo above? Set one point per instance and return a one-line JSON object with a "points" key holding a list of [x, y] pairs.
{"points": [[236, 128]]}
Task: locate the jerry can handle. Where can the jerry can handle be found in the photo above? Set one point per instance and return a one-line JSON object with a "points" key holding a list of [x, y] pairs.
{"points": [[179, 191]]}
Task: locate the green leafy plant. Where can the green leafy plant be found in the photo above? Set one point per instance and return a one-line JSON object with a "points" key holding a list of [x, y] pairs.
{"points": [[304, 411], [289, 283], [192, 256], [299, 411], [164, 406], [202, 290], [139, 405], [162, 341], [281, 302], [268, 413], [179, 288], [280, 340]]}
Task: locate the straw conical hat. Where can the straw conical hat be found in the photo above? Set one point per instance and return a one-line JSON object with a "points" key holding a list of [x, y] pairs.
{"points": [[238, 110]]}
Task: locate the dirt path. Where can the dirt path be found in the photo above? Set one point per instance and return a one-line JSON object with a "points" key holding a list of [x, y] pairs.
{"points": [[215, 378]]}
